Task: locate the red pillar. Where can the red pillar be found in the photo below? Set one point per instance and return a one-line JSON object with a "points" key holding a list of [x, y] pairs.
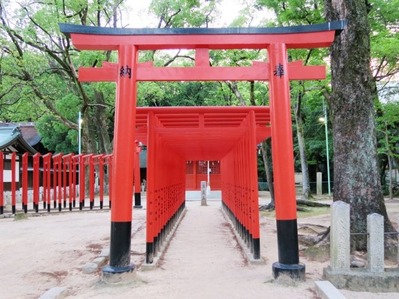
{"points": [[13, 182], [123, 163], [25, 182], [68, 174], [59, 174], [57, 181], [36, 181], [283, 161], [82, 177], [1, 183], [254, 196], [101, 179], [108, 161], [91, 180], [76, 175], [151, 186], [46, 181]]}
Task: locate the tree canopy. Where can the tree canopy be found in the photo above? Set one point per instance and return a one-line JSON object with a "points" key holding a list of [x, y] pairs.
{"points": [[38, 70]]}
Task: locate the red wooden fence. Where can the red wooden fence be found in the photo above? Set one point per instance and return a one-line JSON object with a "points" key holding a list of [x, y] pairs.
{"points": [[57, 181]]}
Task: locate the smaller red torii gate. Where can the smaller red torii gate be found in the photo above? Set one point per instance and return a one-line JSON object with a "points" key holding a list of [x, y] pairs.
{"points": [[277, 70]]}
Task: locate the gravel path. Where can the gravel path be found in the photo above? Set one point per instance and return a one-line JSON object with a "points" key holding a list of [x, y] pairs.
{"points": [[203, 259]]}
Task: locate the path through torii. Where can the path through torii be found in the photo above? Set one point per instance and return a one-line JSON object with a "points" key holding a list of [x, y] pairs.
{"points": [[239, 195]]}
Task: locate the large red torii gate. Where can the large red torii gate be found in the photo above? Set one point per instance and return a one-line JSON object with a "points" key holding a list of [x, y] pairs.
{"points": [[128, 71]]}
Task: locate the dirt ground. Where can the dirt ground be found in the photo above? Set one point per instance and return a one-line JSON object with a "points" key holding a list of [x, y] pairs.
{"points": [[203, 259]]}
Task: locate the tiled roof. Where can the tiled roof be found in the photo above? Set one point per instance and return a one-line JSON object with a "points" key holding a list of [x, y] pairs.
{"points": [[12, 138]]}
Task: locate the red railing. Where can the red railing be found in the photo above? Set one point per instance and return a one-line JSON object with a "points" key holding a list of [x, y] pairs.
{"points": [[56, 181], [1, 185]]}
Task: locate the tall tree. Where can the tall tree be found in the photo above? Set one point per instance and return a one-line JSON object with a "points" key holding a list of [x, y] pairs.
{"points": [[302, 12], [41, 62], [356, 177]]}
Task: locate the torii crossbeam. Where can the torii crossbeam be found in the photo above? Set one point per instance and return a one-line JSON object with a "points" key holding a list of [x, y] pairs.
{"points": [[277, 70]]}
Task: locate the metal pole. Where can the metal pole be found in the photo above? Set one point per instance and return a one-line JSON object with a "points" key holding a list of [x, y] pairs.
{"points": [[327, 149], [208, 178], [80, 133]]}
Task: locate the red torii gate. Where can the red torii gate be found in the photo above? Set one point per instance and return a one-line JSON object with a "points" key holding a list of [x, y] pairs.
{"points": [[175, 135], [127, 72]]}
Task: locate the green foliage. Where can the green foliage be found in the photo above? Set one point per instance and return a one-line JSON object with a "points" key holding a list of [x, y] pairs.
{"points": [[295, 12], [388, 128], [384, 22], [55, 136], [180, 14], [38, 69], [178, 94]]}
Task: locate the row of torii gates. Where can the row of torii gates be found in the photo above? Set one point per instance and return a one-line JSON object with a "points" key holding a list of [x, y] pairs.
{"points": [[174, 135]]}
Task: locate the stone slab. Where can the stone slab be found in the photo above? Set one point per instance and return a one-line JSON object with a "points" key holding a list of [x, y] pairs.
{"points": [[326, 290]]}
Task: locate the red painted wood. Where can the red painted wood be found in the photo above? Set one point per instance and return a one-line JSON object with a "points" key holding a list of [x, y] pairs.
{"points": [[57, 180], [24, 180], [232, 41], [177, 135], [13, 180], [76, 174], [68, 174], [90, 160], [46, 179], [1, 181], [99, 161], [124, 136], [82, 176], [108, 161], [151, 172], [281, 128], [200, 72]]}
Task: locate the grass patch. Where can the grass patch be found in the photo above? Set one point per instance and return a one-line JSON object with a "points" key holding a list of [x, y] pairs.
{"points": [[313, 211], [20, 216], [308, 212], [317, 253]]}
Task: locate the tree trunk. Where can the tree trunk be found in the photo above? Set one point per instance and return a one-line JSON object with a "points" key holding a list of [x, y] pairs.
{"points": [[390, 177], [302, 152], [304, 163], [390, 166], [234, 88], [356, 177], [105, 145], [267, 162]]}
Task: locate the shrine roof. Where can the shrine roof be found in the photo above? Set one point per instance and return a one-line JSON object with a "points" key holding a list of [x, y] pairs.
{"points": [[68, 29], [12, 139], [106, 38]]}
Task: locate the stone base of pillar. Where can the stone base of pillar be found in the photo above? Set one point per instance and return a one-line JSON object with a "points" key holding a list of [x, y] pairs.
{"points": [[362, 280], [295, 271], [137, 201], [118, 274]]}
